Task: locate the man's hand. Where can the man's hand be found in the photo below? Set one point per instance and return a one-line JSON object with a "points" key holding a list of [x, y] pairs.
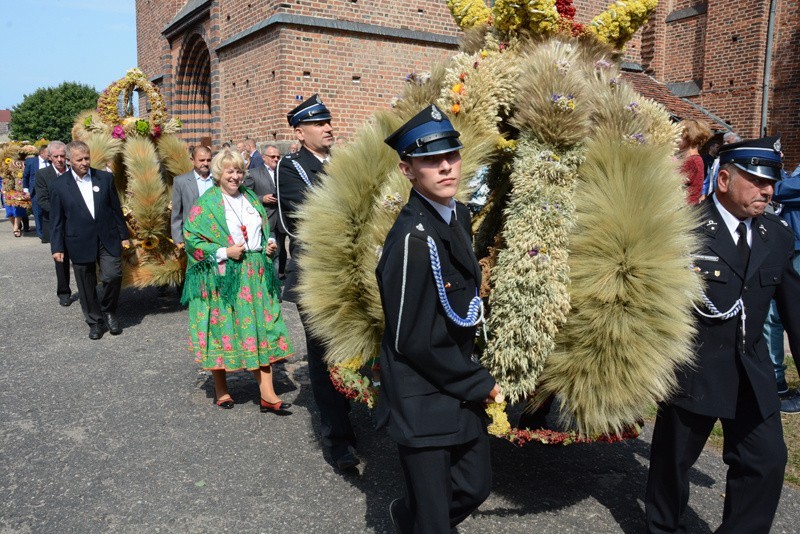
{"points": [[272, 246], [58, 256], [235, 252], [494, 395], [269, 199]]}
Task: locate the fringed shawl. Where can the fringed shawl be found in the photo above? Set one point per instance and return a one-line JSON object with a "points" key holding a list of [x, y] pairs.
{"points": [[205, 231]]}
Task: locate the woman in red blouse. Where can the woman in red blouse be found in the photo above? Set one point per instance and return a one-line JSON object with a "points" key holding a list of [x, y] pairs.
{"points": [[695, 134]]}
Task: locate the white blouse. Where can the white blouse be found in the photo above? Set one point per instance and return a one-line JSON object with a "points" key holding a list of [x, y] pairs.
{"points": [[238, 212]]}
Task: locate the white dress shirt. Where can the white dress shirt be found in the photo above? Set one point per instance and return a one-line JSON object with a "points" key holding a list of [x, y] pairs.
{"points": [[733, 223], [445, 212], [85, 186], [203, 184]]}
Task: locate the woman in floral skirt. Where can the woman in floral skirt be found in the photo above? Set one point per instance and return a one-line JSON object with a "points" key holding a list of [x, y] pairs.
{"points": [[234, 314]]}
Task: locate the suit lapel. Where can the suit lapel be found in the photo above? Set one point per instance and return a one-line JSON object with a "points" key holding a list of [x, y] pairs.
{"points": [[721, 240], [75, 194], [460, 249], [759, 250], [96, 192]]}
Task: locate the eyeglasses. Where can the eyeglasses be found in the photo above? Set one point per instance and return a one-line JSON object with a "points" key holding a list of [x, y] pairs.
{"points": [[273, 157]]}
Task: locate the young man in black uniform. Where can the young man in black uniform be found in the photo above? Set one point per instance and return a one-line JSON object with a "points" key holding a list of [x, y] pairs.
{"points": [[296, 174], [432, 391], [745, 259]]}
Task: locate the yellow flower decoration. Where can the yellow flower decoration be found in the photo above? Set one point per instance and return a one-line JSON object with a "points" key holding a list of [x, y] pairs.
{"points": [[458, 88], [456, 108], [354, 363], [499, 426], [469, 13], [8, 161], [620, 21]]}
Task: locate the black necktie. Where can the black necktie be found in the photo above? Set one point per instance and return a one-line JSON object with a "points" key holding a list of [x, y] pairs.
{"points": [[742, 246]]}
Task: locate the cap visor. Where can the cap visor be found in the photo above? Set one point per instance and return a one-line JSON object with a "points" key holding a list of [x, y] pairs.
{"points": [[768, 173], [440, 146]]}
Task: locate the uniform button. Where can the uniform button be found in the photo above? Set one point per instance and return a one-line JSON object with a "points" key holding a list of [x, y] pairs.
{"points": [[774, 278], [746, 288]]}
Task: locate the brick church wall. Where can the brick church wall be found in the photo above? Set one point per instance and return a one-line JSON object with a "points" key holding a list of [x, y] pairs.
{"points": [[254, 80]]}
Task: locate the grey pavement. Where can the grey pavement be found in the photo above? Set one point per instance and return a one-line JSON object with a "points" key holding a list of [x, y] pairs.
{"points": [[121, 435]]}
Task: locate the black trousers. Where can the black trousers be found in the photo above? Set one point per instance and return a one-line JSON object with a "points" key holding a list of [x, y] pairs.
{"points": [[86, 280], [44, 219], [62, 276], [444, 485], [280, 237], [334, 409], [753, 450]]}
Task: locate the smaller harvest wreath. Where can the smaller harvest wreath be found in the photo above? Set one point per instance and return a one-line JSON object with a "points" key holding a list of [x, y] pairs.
{"points": [[108, 118]]}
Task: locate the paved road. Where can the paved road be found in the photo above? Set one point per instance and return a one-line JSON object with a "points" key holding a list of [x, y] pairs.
{"points": [[120, 435]]}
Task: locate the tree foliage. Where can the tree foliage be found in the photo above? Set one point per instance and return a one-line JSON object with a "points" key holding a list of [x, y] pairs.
{"points": [[50, 112]]}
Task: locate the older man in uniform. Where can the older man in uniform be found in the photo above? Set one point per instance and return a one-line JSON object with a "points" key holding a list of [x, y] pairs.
{"points": [[432, 391], [297, 174], [745, 259]]}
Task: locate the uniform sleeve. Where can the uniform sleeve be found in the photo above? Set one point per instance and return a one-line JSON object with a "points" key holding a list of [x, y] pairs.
{"points": [[787, 295], [414, 316], [291, 191]]}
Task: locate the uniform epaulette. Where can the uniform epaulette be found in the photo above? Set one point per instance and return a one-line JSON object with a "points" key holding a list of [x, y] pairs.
{"points": [[779, 222]]}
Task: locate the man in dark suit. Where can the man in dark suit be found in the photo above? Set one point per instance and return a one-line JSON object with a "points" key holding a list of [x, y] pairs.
{"points": [[297, 173], [187, 188], [745, 259], [32, 166], [87, 223], [261, 179], [45, 178], [254, 155], [432, 392]]}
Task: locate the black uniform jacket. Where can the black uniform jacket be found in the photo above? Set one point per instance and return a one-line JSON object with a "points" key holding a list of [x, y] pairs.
{"points": [[72, 227], [711, 386], [431, 389], [292, 191], [291, 187]]}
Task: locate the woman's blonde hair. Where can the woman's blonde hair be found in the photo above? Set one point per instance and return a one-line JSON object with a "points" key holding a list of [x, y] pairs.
{"points": [[695, 133], [226, 157]]}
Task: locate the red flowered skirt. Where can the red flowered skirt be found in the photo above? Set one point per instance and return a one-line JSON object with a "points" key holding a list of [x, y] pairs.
{"points": [[246, 335]]}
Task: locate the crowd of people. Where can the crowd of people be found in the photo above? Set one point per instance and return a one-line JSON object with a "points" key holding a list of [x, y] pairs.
{"points": [[235, 210]]}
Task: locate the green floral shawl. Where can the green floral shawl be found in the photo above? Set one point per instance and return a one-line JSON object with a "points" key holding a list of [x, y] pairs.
{"points": [[205, 231]]}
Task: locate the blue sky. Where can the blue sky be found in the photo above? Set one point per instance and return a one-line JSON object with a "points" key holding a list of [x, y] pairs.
{"points": [[46, 42]]}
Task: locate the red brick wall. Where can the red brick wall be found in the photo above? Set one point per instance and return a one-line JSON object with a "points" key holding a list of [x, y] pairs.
{"points": [[784, 103], [257, 105], [268, 68], [422, 15], [151, 46]]}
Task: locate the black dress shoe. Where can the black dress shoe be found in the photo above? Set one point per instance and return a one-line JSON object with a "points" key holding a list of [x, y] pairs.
{"points": [[791, 405], [96, 331], [113, 324], [64, 300], [394, 514], [347, 461]]}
